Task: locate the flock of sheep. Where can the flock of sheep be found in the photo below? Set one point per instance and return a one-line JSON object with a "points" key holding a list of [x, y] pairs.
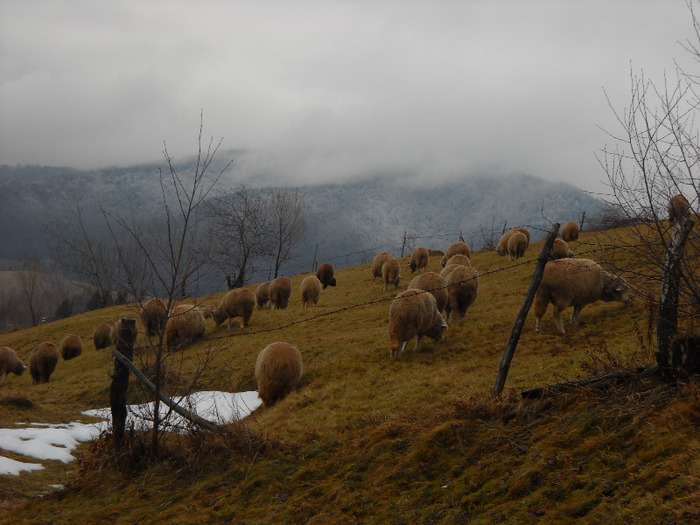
{"points": [[416, 312]]}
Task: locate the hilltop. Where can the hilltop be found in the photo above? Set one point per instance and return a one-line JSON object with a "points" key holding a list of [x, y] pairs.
{"points": [[371, 440]]}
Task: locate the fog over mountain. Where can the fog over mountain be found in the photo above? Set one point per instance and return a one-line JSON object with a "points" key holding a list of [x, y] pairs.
{"points": [[347, 223]]}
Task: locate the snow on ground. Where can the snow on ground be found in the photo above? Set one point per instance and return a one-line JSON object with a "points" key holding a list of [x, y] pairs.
{"points": [[57, 442]]}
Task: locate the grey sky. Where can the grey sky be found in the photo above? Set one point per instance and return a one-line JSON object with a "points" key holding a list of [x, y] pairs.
{"points": [[325, 91]]}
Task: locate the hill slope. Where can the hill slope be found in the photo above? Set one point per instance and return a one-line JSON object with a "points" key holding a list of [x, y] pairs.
{"points": [[371, 440]]}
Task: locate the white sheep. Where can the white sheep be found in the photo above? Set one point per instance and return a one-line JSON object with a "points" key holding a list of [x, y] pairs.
{"points": [[391, 274], [262, 294], [575, 282], [239, 302], [517, 244], [458, 259], [560, 250], [378, 262], [570, 231], [280, 292], [462, 290], [9, 363], [454, 249], [433, 283], [419, 259], [413, 313], [310, 289]]}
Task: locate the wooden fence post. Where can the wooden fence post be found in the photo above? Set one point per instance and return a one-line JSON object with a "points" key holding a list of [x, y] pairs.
{"points": [[667, 324], [120, 376], [524, 309], [403, 246]]}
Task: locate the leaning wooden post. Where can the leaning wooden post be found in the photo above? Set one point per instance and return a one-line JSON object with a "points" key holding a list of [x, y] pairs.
{"points": [[524, 309], [120, 377], [667, 324]]}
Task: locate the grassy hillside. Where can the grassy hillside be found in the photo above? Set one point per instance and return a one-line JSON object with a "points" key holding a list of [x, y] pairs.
{"points": [[371, 440]]}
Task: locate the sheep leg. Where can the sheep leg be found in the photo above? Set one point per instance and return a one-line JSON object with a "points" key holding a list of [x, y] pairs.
{"points": [[538, 324], [401, 350], [415, 349], [575, 314], [558, 320]]}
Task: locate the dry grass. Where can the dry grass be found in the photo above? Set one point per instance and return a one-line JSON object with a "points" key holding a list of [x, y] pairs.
{"points": [[368, 439]]}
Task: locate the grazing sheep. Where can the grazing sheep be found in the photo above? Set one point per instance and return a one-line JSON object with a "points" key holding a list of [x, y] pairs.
{"points": [[454, 249], [325, 275], [310, 291], [71, 346], [154, 316], [184, 328], [239, 302], [391, 274], [280, 292], [678, 207], [560, 250], [42, 362], [182, 308], [278, 371], [9, 364], [378, 262], [525, 232], [462, 289], [458, 259], [207, 310], [570, 231], [502, 246], [517, 244], [262, 294], [433, 283], [102, 336], [419, 259], [575, 282], [413, 313], [448, 269]]}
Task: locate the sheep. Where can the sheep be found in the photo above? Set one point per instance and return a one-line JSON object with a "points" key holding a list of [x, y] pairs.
{"points": [[458, 259], [42, 362], [154, 316], [517, 244], [391, 274], [262, 294], [433, 283], [378, 262], [419, 259], [502, 246], [560, 250], [678, 207], [9, 364], [575, 282], [71, 346], [525, 232], [239, 302], [462, 289], [278, 371], [102, 336], [310, 291], [570, 231], [280, 291], [413, 313], [454, 249], [325, 275], [184, 328]]}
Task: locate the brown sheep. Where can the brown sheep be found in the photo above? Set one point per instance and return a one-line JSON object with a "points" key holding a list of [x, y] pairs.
{"points": [[280, 292], [525, 232], [102, 336], [42, 362], [378, 262], [325, 275], [278, 371], [502, 246], [71, 346], [560, 250], [419, 259], [517, 244], [454, 249], [462, 289], [570, 232], [391, 274], [154, 316], [575, 282], [433, 283], [239, 302], [678, 207], [413, 313], [9, 364], [184, 328], [310, 291], [458, 259], [262, 294]]}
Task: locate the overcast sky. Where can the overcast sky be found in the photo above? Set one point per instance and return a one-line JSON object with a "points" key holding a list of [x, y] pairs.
{"points": [[326, 91]]}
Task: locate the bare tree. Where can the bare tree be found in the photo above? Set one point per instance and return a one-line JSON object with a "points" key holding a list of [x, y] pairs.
{"points": [[238, 235], [288, 224], [33, 287], [656, 155]]}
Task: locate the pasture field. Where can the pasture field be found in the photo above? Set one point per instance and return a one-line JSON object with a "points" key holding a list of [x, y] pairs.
{"points": [[370, 440]]}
